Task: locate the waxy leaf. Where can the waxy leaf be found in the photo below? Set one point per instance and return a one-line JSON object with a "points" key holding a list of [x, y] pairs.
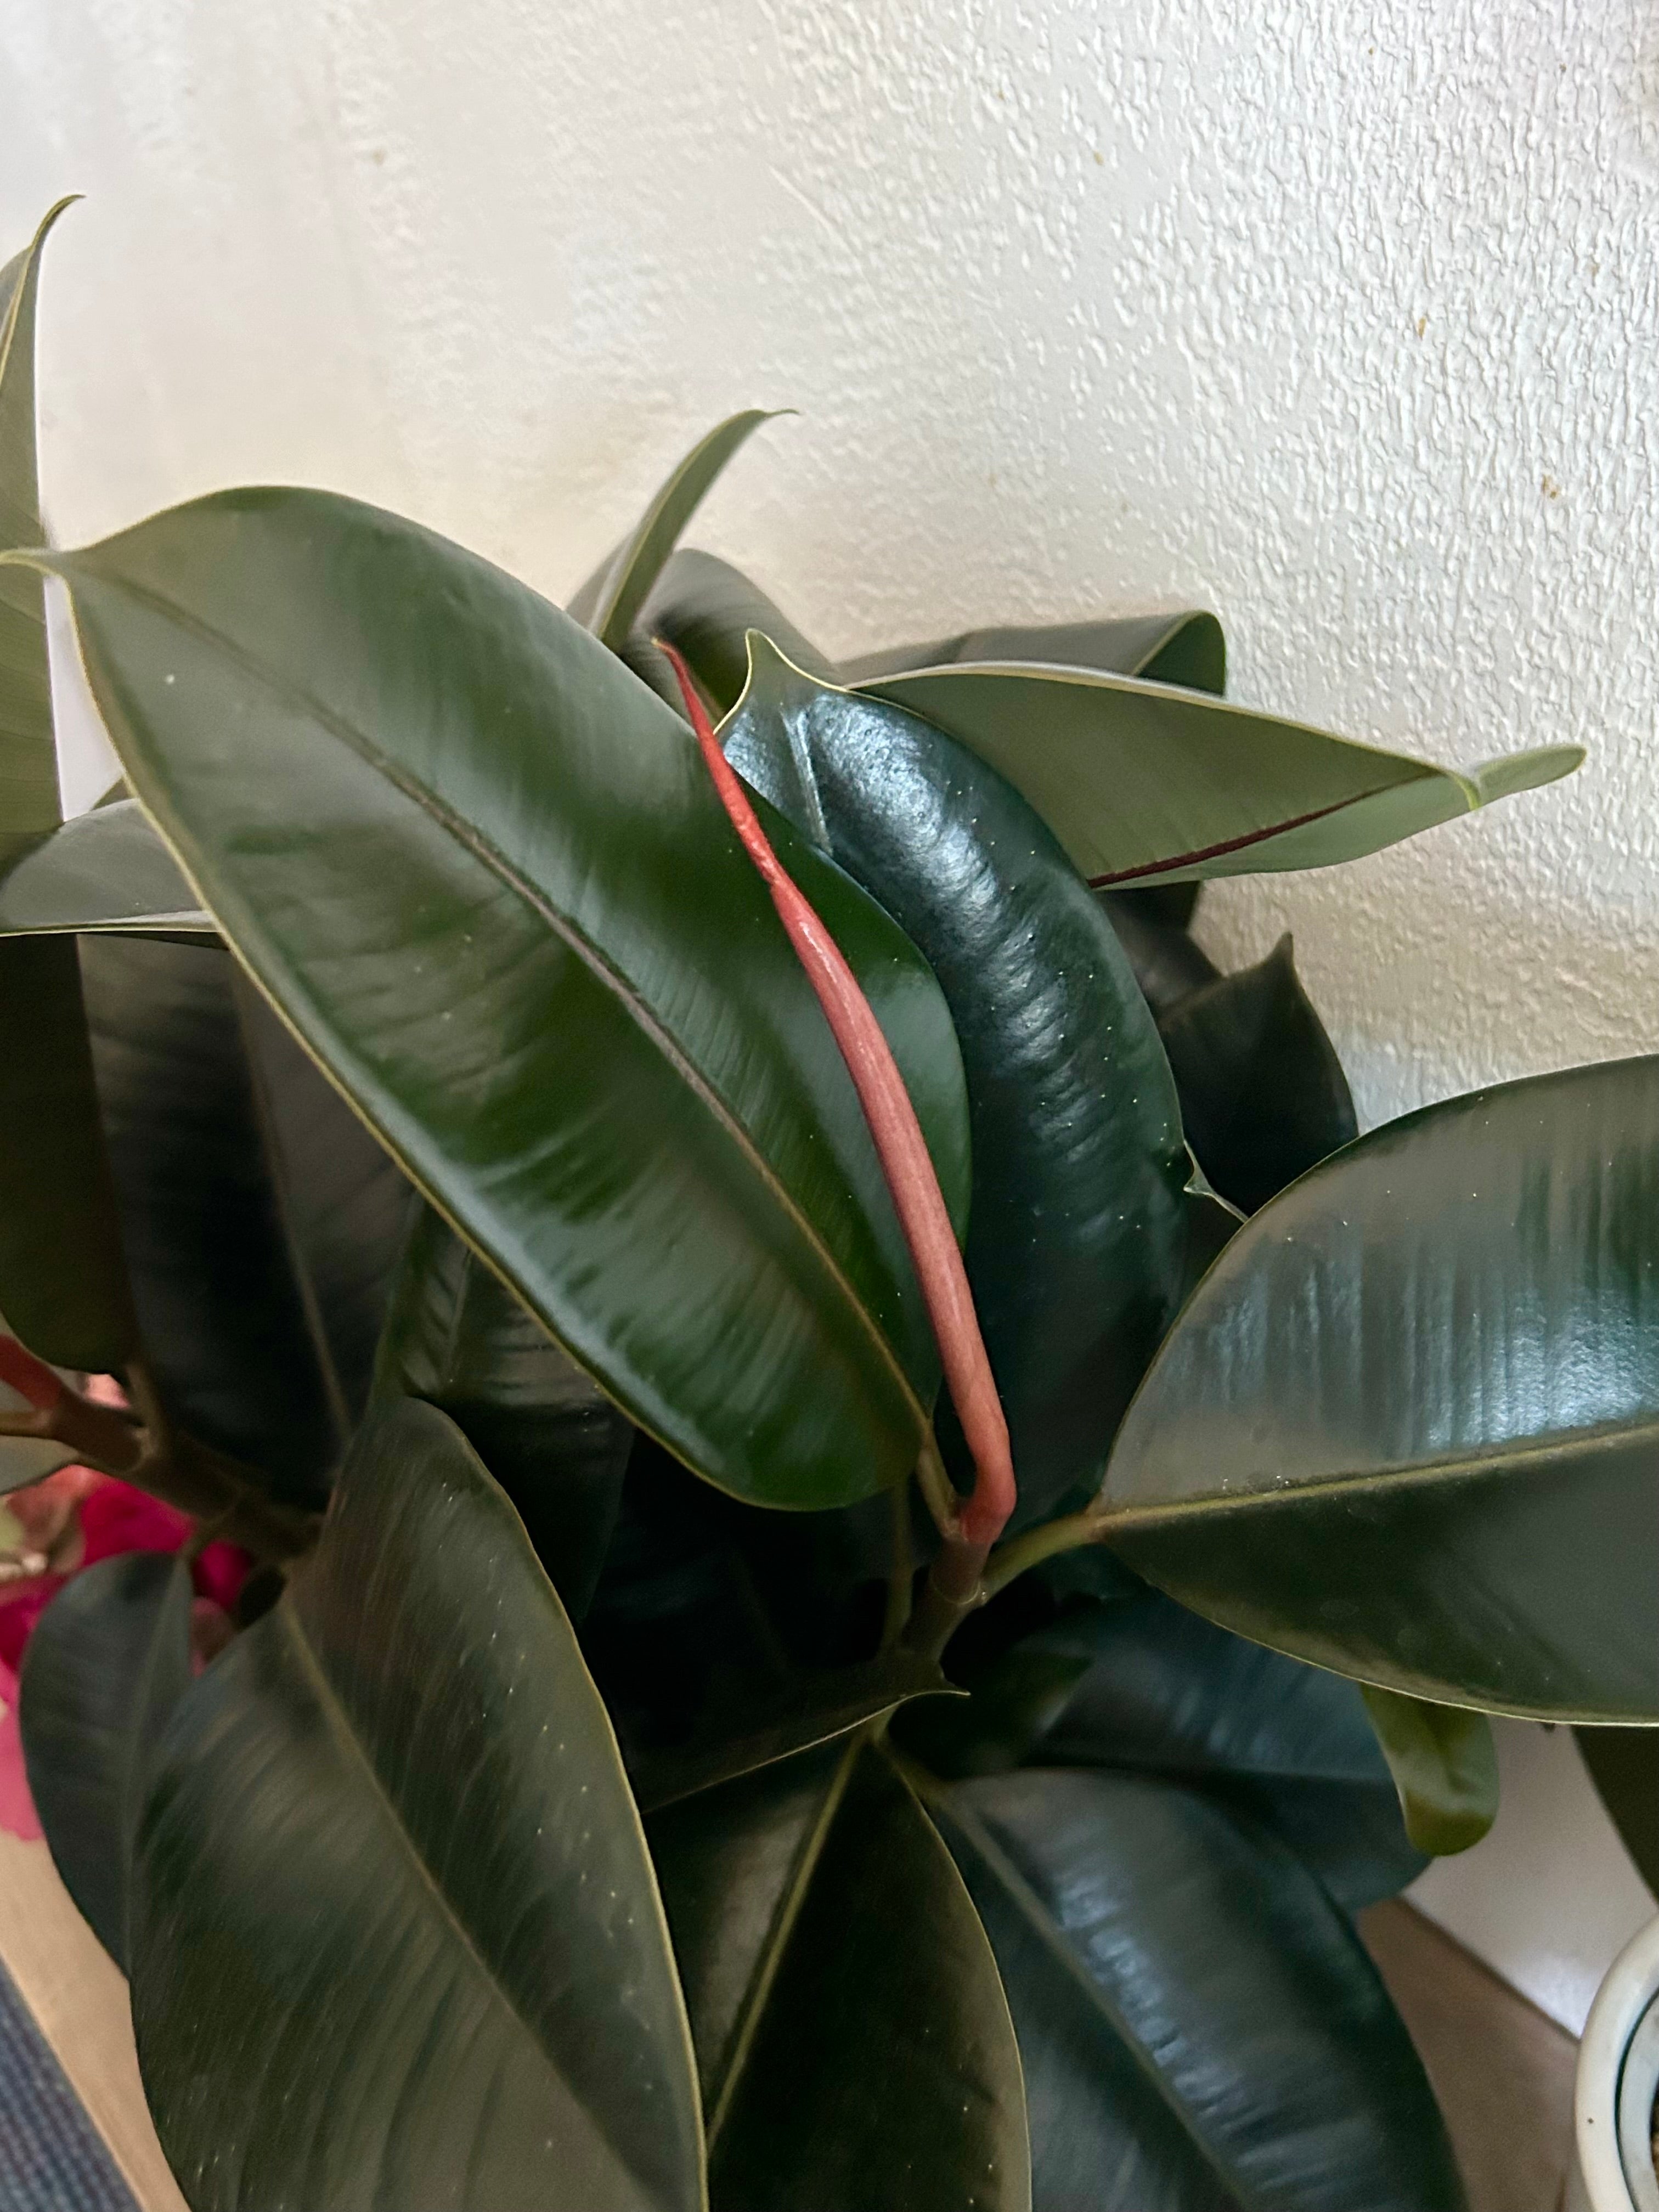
{"points": [[105, 870], [390, 1870], [107, 1663], [1137, 779], [62, 1284], [1406, 1426], [1169, 964], [852, 2037], [1445, 1767], [813, 1709], [1079, 1222], [261, 1220], [1624, 1764], [29, 756], [63, 1276], [1165, 1961], [457, 1336], [610, 602], [1263, 1097], [1141, 1685], [705, 609], [1188, 649], [482, 871]]}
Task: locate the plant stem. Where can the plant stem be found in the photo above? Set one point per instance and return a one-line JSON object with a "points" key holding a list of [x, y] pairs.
{"points": [[900, 1146], [149, 1453], [1068, 1534], [901, 1575]]}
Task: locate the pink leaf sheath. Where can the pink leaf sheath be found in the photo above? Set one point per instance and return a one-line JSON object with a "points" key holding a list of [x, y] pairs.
{"points": [[900, 1146]]}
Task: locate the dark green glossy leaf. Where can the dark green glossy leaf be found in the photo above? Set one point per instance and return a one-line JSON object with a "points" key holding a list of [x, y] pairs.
{"points": [[1406, 1427], [1139, 780], [62, 1284], [1168, 964], [1077, 1226], [63, 1278], [852, 2036], [1263, 1097], [1142, 1685], [484, 873], [29, 756], [107, 1663], [1444, 1765], [1187, 649], [389, 1870], [814, 1709], [1624, 1764], [1164, 1959], [261, 1220], [609, 603], [457, 1336], [706, 609], [104, 871]]}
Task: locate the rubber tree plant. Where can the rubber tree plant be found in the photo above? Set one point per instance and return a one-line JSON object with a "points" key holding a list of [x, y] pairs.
{"points": [[833, 1624]]}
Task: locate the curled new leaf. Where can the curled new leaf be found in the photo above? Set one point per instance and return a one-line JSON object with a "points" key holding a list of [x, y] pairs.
{"points": [[610, 602]]}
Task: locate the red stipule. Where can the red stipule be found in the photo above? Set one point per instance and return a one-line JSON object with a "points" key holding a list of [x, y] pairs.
{"points": [[900, 1146]]}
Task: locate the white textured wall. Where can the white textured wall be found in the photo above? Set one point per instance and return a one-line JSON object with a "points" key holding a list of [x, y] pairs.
{"points": [[1343, 319]]}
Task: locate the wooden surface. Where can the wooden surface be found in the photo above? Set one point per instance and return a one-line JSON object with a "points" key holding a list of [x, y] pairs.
{"points": [[1501, 2070], [79, 1997]]}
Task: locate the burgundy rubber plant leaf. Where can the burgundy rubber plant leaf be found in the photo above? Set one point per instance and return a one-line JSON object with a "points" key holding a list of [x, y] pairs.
{"points": [[900, 1146]]}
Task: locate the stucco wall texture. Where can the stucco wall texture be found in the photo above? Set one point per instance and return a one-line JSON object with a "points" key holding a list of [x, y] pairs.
{"points": [[1339, 321]]}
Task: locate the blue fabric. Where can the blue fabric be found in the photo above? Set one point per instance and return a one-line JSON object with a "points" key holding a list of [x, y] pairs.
{"points": [[51, 2157]]}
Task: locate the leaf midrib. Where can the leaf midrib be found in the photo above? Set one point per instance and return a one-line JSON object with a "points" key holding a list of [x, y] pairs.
{"points": [[340, 1725], [622, 989], [778, 1937], [1577, 1444]]}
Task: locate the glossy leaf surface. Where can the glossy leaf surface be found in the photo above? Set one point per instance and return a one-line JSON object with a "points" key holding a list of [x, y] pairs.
{"points": [[1141, 1685], [62, 1283], [261, 1220], [481, 868], [29, 756], [1624, 1764], [706, 609], [816, 1709], [457, 1336], [1137, 779], [1169, 964], [390, 1869], [1078, 1225], [1165, 1960], [1263, 1097], [1407, 1426], [852, 2036], [104, 871], [1188, 649], [1445, 1768], [107, 1663], [63, 1276], [620, 592]]}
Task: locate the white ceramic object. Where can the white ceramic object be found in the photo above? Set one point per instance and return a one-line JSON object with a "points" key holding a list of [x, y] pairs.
{"points": [[1618, 2070]]}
